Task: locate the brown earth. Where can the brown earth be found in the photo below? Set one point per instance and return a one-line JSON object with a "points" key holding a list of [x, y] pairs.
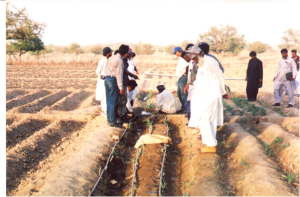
{"points": [[57, 144]]}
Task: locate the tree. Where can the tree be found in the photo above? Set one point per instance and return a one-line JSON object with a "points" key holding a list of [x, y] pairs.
{"points": [[10, 51], [64, 50], [223, 39], [170, 49], [96, 49], [290, 39], [75, 48], [257, 46], [24, 33], [143, 49], [30, 44]]}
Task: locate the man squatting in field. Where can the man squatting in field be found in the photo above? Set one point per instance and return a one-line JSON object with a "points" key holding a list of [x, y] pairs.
{"points": [[100, 90], [286, 73], [206, 101], [166, 103], [296, 81]]}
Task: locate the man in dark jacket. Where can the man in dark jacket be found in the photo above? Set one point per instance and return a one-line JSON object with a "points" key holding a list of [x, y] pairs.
{"points": [[254, 76]]}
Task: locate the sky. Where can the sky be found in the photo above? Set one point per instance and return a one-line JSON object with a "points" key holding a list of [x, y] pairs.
{"points": [[159, 22]]}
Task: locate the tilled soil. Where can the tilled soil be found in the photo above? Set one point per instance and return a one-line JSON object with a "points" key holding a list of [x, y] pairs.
{"points": [[57, 144]]}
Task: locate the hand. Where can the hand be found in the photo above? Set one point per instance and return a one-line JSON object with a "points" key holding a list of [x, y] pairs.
{"points": [[133, 115], [137, 72], [246, 78], [135, 77], [121, 91], [186, 88], [260, 80], [274, 79]]}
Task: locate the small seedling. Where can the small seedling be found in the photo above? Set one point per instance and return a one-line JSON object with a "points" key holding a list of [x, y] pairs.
{"points": [[150, 94], [277, 140], [244, 163]]}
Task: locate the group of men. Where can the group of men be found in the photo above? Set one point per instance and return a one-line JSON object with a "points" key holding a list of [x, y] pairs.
{"points": [[201, 87], [286, 78], [116, 86]]}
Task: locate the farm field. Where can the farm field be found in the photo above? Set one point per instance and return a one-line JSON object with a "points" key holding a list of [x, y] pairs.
{"points": [[58, 144]]}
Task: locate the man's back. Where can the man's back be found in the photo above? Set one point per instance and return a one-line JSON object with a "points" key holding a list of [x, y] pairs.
{"points": [[114, 68], [166, 102]]}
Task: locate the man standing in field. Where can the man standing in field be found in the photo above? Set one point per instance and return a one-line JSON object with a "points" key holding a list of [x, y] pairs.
{"points": [[181, 72], [254, 76], [123, 97], [286, 73], [114, 85], [297, 80], [100, 90], [207, 103]]}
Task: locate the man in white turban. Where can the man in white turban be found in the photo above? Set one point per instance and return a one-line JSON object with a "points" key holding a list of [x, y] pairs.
{"points": [[206, 102]]}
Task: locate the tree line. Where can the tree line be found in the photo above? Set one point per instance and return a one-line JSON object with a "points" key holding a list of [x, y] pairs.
{"points": [[24, 35]]}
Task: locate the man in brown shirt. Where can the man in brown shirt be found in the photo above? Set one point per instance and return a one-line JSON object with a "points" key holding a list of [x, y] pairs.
{"points": [[297, 79]]}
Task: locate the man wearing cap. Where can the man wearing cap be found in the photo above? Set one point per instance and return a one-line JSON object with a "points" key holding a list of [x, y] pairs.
{"points": [[114, 85], [296, 81], [123, 97], [207, 103], [181, 72], [100, 90], [165, 101]]}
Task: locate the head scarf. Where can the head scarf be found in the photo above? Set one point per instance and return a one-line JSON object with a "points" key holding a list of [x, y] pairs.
{"points": [[193, 51]]}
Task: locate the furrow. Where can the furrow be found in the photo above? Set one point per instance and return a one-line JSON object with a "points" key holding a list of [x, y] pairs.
{"points": [[14, 93], [71, 102], [284, 145], [252, 172], [16, 133], [27, 155], [25, 99], [41, 103]]}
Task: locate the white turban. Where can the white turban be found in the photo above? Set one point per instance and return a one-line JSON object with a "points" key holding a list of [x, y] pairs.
{"points": [[193, 51]]}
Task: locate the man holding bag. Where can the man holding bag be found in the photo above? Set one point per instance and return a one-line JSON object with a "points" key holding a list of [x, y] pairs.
{"points": [[286, 73]]}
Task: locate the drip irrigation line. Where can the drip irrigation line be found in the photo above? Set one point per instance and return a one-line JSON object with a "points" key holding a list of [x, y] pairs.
{"points": [[137, 157], [163, 161], [109, 158]]}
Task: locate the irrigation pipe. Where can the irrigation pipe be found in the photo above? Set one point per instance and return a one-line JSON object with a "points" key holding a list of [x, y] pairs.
{"points": [[109, 158], [137, 158], [163, 161]]}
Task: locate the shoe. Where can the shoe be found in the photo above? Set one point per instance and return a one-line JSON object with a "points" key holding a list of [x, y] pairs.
{"points": [[276, 104], [212, 149], [116, 125], [289, 106]]}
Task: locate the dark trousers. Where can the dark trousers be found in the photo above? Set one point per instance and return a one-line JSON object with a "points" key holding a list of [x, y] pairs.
{"points": [[112, 98], [180, 91], [252, 90]]}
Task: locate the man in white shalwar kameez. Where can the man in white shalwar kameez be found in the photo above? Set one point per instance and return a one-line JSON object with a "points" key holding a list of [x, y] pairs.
{"points": [[207, 103], [100, 90], [286, 64], [166, 103]]}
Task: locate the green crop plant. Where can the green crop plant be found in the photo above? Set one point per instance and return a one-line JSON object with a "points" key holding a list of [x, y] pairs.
{"points": [[150, 105], [289, 177], [277, 140], [263, 111], [148, 123], [244, 163], [139, 96], [150, 94]]}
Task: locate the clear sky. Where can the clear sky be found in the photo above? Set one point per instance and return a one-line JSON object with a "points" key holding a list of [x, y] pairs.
{"points": [[160, 22]]}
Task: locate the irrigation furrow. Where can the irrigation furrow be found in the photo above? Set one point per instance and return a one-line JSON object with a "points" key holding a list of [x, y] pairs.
{"points": [[254, 174], [27, 155], [41, 103], [14, 93], [71, 102], [19, 101], [283, 145], [18, 132], [109, 159]]}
